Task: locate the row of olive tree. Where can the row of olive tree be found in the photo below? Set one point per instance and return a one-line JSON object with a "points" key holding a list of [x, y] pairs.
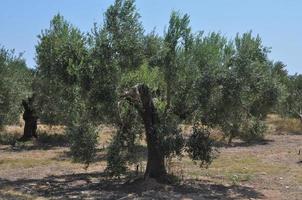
{"points": [[290, 86], [149, 83]]}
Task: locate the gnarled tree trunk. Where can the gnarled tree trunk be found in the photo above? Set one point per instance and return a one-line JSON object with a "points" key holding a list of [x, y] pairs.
{"points": [[141, 98], [30, 118]]}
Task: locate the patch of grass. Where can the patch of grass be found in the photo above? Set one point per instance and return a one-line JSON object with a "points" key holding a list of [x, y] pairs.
{"points": [[234, 168], [297, 174], [237, 178], [299, 178], [245, 164], [14, 163]]}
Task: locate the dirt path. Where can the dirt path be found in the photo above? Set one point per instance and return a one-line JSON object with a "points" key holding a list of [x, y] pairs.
{"points": [[269, 170]]}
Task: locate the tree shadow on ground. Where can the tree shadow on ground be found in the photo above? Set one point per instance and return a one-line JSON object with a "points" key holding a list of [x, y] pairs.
{"points": [[138, 155], [240, 143], [66, 156], [294, 133], [98, 186], [43, 142], [56, 139]]}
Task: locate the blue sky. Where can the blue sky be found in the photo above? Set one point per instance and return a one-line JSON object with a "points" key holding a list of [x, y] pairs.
{"points": [[278, 22]]}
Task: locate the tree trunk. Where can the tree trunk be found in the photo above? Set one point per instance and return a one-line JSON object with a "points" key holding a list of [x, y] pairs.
{"points": [[230, 139], [168, 98], [30, 128], [300, 116], [156, 159], [233, 133]]}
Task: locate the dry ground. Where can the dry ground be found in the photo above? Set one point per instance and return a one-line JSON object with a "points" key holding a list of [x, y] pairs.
{"points": [[270, 169]]}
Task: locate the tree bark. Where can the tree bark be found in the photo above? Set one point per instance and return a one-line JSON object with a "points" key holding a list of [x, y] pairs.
{"points": [[30, 118], [145, 106], [233, 133], [300, 116], [230, 139]]}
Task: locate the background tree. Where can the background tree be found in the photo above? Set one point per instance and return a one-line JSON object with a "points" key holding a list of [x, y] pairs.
{"points": [[62, 60], [15, 85], [176, 38], [61, 54], [154, 49], [292, 106], [236, 89]]}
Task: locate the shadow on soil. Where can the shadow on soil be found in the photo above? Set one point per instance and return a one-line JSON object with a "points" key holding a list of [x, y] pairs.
{"points": [[240, 143], [295, 133], [97, 186], [139, 154], [44, 142]]}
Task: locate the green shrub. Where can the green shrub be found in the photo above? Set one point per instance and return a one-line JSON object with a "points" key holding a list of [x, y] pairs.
{"points": [[83, 140], [200, 146], [253, 130], [116, 157]]}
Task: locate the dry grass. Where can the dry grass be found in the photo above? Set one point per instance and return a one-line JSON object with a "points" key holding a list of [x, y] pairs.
{"points": [[106, 133], [51, 134], [13, 163], [233, 168], [279, 125]]}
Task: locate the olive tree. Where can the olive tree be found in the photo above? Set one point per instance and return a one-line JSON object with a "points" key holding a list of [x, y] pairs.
{"points": [[61, 55], [150, 90], [236, 86], [292, 104], [15, 85]]}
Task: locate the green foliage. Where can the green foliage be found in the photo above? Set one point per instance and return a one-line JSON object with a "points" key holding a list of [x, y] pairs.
{"points": [[177, 37], [152, 77], [239, 87], [122, 149], [170, 136], [200, 146], [15, 85], [61, 54], [154, 49], [292, 105], [100, 79], [116, 158], [252, 130], [125, 34], [62, 64], [83, 139]]}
